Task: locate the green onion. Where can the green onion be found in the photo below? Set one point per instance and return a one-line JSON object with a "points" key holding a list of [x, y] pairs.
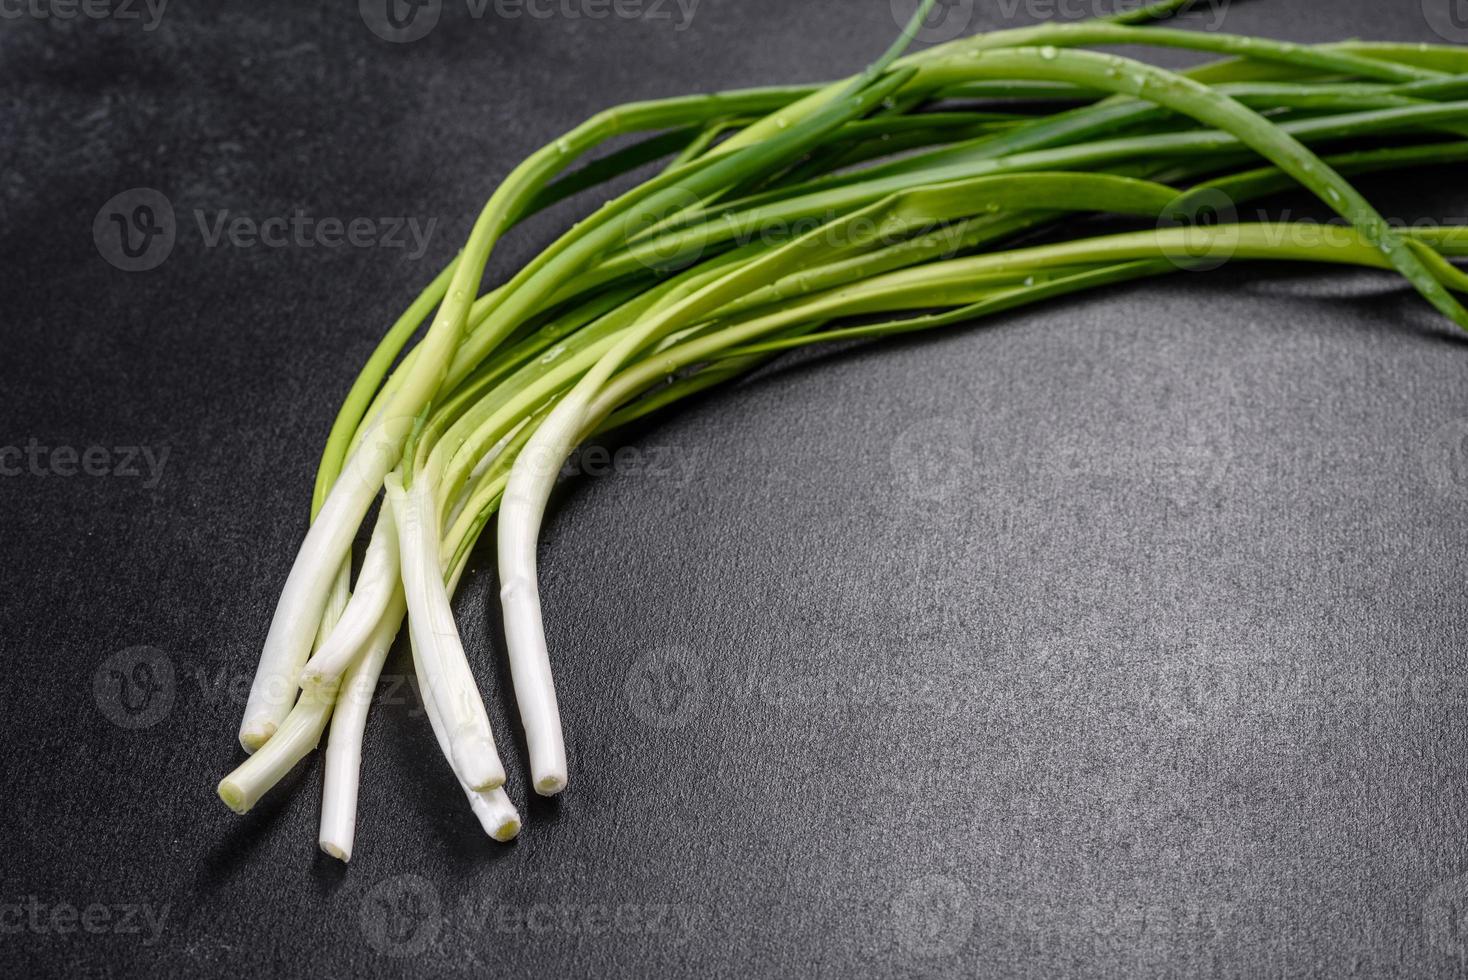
{"points": [[894, 201]]}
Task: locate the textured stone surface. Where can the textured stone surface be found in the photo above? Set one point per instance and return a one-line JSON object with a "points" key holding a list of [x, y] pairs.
{"points": [[1118, 638]]}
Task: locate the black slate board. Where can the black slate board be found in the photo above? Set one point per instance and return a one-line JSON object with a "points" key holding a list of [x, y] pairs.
{"points": [[1159, 672]]}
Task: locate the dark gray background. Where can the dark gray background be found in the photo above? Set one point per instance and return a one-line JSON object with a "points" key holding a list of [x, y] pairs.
{"points": [[1122, 637]]}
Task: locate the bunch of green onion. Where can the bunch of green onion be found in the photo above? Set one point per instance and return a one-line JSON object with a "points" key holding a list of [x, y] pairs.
{"points": [[893, 201]]}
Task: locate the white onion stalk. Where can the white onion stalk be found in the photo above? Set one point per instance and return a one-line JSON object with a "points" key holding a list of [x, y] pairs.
{"points": [[298, 734], [494, 810], [302, 601], [533, 477], [448, 681], [348, 722], [376, 584], [521, 512]]}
